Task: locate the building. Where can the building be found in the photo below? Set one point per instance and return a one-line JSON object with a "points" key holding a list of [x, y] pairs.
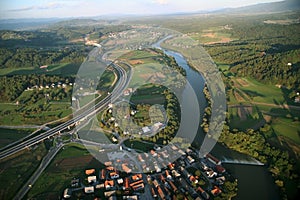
{"points": [[213, 159], [174, 188], [168, 175], [109, 184], [136, 183], [126, 168], [120, 181], [102, 174], [92, 179], [203, 193], [137, 177], [89, 189], [190, 159], [138, 187], [216, 191], [114, 175], [126, 186], [109, 193], [161, 193], [220, 169], [154, 195], [67, 193], [90, 171]]}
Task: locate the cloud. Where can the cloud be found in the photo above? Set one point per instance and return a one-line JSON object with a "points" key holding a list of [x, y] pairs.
{"points": [[51, 5], [22, 9], [161, 2]]}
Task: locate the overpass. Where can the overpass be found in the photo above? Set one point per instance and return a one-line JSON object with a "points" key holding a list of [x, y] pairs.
{"points": [[84, 115]]}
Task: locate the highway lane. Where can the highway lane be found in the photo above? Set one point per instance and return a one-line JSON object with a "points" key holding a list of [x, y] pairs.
{"points": [[119, 88]]}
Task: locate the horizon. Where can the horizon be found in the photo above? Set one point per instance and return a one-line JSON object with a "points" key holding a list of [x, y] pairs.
{"points": [[35, 9]]}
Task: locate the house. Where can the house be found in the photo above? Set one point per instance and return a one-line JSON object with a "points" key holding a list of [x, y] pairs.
{"points": [[220, 180], [103, 174], [138, 187], [114, 175], [99, 186], [109, 193], [216, 191], [171, 166], [125, 168], [92, 179], [211, 173], [89, 189], [220, 169], [137, 177], [120, 181], [181, 152], [67, 193], [203, 193], [174, 188], [75, 183], [154, 154], [168, 175], [110, 168], [190, 159], [132, 197], [161, 193], [155, 183], [175, 173], [213, 159], [193, 179], [108, 164], [126, 185], [146, 130], [140, 158], [90, 171], [154, 195], [109, 184], [136, 183]]}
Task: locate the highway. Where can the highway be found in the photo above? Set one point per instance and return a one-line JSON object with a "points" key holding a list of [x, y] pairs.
{"points": [[88, 112]]}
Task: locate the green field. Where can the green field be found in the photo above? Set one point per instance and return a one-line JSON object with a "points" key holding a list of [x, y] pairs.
{"points": [[16, 170], [265, 101], [8, 136], [287, 128], [64, 69], [70, 162], [35, 114]]}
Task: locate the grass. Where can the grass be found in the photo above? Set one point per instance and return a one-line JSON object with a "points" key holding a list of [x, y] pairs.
{"points": [[288, 128], [251, 116], [139, 145], [64, 69], [12, 114], [17, 169], [70, 162], [283, 121], [264, 93], [8, 136]]}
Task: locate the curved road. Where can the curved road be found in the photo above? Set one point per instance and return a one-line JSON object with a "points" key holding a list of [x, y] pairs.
{"points": [[119, 88]]}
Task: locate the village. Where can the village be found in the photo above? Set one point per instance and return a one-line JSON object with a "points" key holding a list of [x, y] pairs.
{"points": [[189, 177]]}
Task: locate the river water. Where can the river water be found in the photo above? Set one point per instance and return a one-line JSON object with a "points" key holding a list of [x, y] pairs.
{"points": [[254, 181]]}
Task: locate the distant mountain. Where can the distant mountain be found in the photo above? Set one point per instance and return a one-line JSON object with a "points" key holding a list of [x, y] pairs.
{"points": [[25, 24], [281, 6]]}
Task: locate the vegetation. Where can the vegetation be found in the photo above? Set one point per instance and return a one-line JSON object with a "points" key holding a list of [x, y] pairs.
{"points": [[69, 163], [17, 169]]}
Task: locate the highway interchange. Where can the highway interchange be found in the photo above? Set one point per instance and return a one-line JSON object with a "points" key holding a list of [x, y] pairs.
{"points": [[87, 112]]}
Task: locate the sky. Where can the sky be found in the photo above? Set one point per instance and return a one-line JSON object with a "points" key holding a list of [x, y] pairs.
{"points": [[87, 8]]}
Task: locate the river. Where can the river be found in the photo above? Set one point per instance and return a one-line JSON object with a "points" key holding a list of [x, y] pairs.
{"points": [[254, 180]]}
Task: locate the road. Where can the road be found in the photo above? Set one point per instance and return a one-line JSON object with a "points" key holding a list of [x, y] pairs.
{"points": [[88, 112], [45, 162]]}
